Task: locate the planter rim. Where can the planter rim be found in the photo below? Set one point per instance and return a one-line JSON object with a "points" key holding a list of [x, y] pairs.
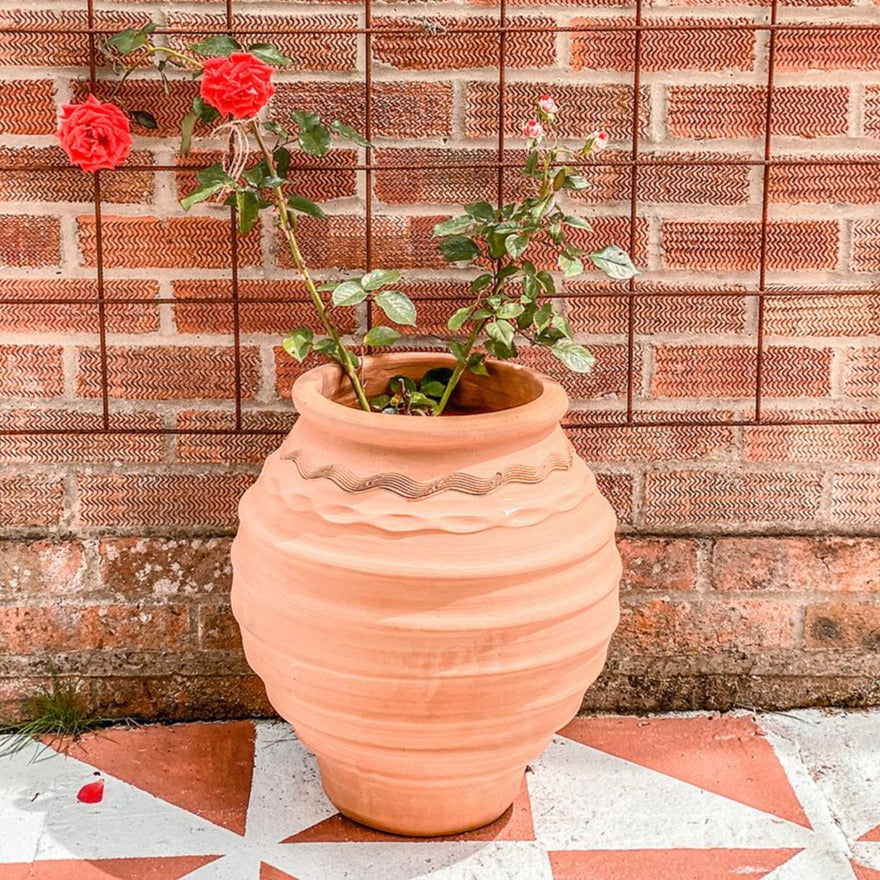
{"points": [[311, 392]]}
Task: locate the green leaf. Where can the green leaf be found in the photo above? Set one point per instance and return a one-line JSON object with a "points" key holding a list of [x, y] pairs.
{"points": [[349, 133], [215, 173], [481, 211], [380, 401], [200, 195], [281, 158], [379, 278], [349, 293], [499, 350], [219, 44], [481, 282], [298, 343], [510, 310], [501, 331], [440, 375], [531, 163], [495, 241], [303, 119], [527, 316], [130, 39], [203, 110], [305, 206], [515, 245], [381, 336], [459, 248], [267, 53], [327, 347], [576, 222], [186, 131], [614, 262], [432, 389], [314, 138], [570, 265], [575, 181], [408, 384], [560, 323], [458, 350], [457, 318], [144, 118], [574, 356], [453, 226], [248, 206], [257, 173], [275, 128], [547, 282], [397, 306], [477, 364]]}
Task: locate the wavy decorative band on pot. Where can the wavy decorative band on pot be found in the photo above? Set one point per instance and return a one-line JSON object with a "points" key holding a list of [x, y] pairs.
{"points": [[406, 487], [426, 652]]}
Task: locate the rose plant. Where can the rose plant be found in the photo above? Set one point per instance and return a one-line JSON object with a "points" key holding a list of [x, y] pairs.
{"points": [[513, 297]]}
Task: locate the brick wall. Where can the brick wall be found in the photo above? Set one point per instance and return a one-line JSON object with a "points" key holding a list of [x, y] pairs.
{"points": [[752, 573]]}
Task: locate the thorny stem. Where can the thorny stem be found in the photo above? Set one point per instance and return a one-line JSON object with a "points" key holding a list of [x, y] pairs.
{"points": [[288, 228], [149, 50]]}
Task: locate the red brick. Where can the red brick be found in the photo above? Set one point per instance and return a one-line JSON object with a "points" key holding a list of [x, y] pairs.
{"points": [[605, 231], [585, 108], [685, 442], [27, 106], [658, 563], [193, 316], [843, 624], [218, 630], [865, 246], [288, 370], [729, 371], [451, 184], [608, 376], [846, 565], [855, 499], [38, 569], [398, 109], [160, 500], [662, 50], [862, 373], [73, 317], [328, 51], [736, 246], [822, 314], [231, 446], [442, 43], [807, 443], [618, 489], [30, 371], [35, 629], [798, 183], [435, 301], [871, 111], [833, 48], [148, 242], [169, 372], [665, 627], [78, 437], [29, 241], [726, 111], [727, 499], [31, 501], [160, 569]]}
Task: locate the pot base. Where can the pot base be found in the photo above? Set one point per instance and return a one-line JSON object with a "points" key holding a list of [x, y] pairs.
{"points": [[413, 808]]}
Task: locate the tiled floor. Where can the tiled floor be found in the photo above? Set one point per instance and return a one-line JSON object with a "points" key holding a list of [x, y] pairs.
{"points": [[792, 796]]}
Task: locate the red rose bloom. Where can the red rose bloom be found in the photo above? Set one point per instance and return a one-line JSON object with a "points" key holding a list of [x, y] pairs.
{"points": [[94, 135], [238, 86]]}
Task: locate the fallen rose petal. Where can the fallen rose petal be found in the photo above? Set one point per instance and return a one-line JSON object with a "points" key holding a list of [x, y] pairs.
{"points": [[91, 793]]}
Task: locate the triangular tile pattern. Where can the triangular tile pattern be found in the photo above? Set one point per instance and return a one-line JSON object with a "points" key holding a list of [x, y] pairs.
{"points": [[674, 864], [873, 836], [172, 868], [203, 768], [268, 872], [514, 824], [863, 872], [726, 755]]}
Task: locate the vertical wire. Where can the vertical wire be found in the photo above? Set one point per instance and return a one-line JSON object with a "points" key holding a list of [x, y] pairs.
{"points": [[633, 207], [99, 236], [368, 134], [765, 203], [502, 95]]}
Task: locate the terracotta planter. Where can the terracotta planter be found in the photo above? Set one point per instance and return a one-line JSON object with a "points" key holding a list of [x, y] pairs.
{"points": [[426, 599]]}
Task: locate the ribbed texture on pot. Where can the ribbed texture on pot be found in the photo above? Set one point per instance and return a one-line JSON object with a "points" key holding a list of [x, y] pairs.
{"points": [[427, 649]]}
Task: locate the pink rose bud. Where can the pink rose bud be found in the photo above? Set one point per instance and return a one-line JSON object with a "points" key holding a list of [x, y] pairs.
{"points": [[600, 140], [548, 105], [533, 130]]}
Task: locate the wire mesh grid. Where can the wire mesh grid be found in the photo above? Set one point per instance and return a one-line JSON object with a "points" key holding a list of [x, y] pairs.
{"points": [[633, 163]]}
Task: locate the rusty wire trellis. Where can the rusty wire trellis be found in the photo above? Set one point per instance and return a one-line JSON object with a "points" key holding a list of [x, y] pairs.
{"points": [[636, 160]]}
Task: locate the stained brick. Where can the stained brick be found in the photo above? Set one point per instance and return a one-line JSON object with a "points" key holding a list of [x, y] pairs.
{"points": [[29, 241], [168, 500], [661, 50], [736, 246], [724, 111], [855, 500], [826, 314], [411, 109], [160, 569], [833, 48], [27, 106], [148, 242], [193, 315], [30, 371], [862, 373], [658, 563], [618, 489], [730, 371], [444, 43], [168, 372], [34, 570], [31, 501], [843, 624], [586, 108], [778, 565], [675, 443], [218, 630], [231, 447], [728, 499], [808, 443], [61, 317], [865, 246]]}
